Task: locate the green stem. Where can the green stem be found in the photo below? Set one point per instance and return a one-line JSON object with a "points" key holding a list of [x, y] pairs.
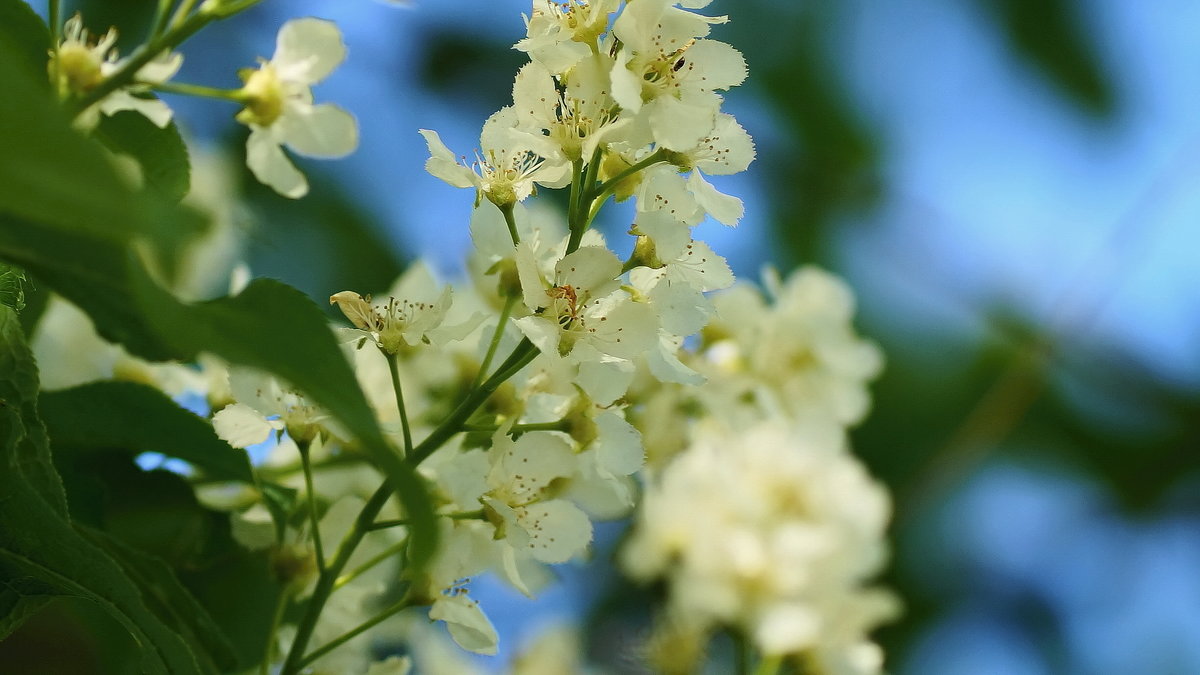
{"points": [[328, 576], [769, 665], [394, 366], [140, 57], [312, 502], [601, 193], [557, 425], [497, 335], [518, 359], [182, 12], [574, 203], [280, 605], [477, 514], [375, 560], [235, 95], [161, 15], [333, 644], [510, 220], [54, 11]]}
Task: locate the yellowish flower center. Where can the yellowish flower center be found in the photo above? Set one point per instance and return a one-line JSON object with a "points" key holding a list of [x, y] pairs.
{"points": [[263, 94], [75, 68]]}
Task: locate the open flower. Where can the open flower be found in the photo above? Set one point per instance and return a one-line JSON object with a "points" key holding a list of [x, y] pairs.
{"points": [[511, 161], [280, 111], [80, 64]]}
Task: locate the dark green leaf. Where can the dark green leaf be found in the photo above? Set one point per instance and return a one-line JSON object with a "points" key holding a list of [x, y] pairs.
{"points": [[274, 327], [138, 418], [37, 541], [1052, 35], [30, 40], [160, 152], [68, 219], [27, 450], [169, 600], [280, 501], [19, 600], [12, 286]]}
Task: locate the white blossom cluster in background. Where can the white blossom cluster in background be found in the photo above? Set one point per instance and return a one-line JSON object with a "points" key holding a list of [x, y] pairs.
{"points": [[714, 413]]}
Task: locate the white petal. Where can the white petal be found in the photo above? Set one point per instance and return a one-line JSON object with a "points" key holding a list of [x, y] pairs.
{"points": [[152, 108], [602, 377], [308, 49], [271, 167], [619, 445], [669, 235], [558, 530], [721, 65], [241, 426], [468, 625], [442, 164], [323, 130], [724, 208], [162, 68], [679, 125], [667, 367], [736, 148], [588, 270]]}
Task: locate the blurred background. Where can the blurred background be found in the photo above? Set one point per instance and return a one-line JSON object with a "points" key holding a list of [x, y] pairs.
{"points": [[1010, 188]]}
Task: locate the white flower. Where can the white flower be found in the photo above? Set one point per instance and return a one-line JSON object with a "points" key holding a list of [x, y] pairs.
{"points": [[531, 522], [799, 354], [558, 34], [512, 160], [775, 531], [265, 405], [665, 74], [577, 119], [280, 111], [78, 65]]}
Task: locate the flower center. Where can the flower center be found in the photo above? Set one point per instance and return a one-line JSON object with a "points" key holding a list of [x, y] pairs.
{"points": [[263, 94]]}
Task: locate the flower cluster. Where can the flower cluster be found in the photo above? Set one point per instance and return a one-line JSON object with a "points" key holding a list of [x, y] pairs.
{"points": [[562, 379], [276, 98]]}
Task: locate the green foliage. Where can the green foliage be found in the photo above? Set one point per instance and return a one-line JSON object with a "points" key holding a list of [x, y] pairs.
{"points": [[160, 153], [12, 287], [138, 418], [1050, 35], [274, 327], [38, 543], [27, 36], [174, 605]]}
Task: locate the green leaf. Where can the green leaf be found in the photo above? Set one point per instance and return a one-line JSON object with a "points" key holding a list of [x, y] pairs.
{"points": [[68, 219], [139, 418], [280, 500], [169, 600], [1052, 35], [37, 542], [20, 599], [161, 153], [30, 40], [12, 286], [27, 450], [274, 327]]}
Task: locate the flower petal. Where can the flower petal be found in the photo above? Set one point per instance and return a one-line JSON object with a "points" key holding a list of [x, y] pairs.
{"points": [[308, 49], [271, 167], [323, 130]]}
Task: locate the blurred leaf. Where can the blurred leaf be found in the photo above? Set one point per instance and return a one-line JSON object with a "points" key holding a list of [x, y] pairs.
{"points": [[25, 31], [20, 599], [827, 166], [281, 502], [12, 287], [274, 327], [138, 418], [321, 244], [1051, 35], [37, 541], [168, 599], [160, 152], [66, 217]]}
